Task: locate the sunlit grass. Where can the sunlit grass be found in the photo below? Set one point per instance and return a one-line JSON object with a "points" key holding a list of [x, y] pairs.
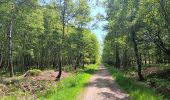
{"points": [[136, 91], [69, 88]]}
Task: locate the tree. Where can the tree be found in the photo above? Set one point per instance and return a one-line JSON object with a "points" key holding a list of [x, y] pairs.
{"points": [[9, 36], [143, 26], [45, 35]]}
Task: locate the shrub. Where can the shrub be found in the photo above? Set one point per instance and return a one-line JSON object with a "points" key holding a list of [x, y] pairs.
{"points": [[33, 72]]}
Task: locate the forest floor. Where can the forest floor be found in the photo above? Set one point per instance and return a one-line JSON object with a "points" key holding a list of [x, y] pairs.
{"points": [[103, 87], [41, 85], [26, 86], [50, 75]]}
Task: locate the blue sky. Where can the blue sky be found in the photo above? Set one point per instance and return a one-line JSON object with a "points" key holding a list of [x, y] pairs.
{"points": [[99, 30]]}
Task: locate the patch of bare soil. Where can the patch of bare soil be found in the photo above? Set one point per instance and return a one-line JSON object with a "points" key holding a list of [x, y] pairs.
{"points": [[103, 87], [50, 75], [151, 70]]}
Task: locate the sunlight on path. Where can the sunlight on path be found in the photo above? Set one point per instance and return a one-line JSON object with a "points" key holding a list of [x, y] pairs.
{"points": [[103, 87]]}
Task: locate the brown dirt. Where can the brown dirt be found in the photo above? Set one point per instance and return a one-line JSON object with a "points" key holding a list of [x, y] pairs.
{"points": [[103, 87], [50, 75], [151, 70]]}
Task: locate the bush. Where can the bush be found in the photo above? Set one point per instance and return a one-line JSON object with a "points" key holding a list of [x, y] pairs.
{"points": [[33, 72]]}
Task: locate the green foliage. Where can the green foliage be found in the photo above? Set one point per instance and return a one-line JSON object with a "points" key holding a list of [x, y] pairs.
{"points": [[33, 72], [70, 87], [146, 19], [135, 90], [37, 36]]}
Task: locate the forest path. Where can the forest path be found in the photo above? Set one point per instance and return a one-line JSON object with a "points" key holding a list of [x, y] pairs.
{"points": [[103, 87]]}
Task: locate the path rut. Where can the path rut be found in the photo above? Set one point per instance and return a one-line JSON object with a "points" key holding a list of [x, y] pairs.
{"points": [[103, 87]]}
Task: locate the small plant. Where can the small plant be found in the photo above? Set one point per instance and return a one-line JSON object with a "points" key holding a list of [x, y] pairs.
{"points": [[33, 72]]}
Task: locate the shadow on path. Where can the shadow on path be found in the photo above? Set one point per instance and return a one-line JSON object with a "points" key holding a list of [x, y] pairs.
{"points": [[103, 87]]}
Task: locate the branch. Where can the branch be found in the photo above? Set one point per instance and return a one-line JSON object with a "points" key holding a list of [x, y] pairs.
{"points": [[159, 43]]}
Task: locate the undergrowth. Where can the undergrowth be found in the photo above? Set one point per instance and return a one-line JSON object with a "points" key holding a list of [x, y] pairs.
{"points": [[135, 90], [69, 88]]}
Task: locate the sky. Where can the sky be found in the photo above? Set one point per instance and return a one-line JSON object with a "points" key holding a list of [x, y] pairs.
{"points": [[100, 33]]}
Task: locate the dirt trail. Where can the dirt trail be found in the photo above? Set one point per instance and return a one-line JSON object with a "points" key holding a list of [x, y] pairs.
{"points": [[103, 87]]}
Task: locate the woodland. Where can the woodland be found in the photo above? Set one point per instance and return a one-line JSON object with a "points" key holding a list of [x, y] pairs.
{"points": [[138, 41], [48, 50]]}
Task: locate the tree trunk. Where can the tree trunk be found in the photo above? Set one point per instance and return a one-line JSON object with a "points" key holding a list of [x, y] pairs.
{"points": [[62, 42], [125, 59], [139, 63], [9, 36], [117, 63], [76, 64], [145, 58], [60, 69], [1, 59], [149, 57]]}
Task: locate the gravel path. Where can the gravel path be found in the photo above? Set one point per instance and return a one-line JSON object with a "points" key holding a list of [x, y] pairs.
{"points": [[103, 87]]}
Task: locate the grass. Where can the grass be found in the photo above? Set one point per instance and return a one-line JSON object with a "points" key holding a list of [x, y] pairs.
{"points": [[135, 90], [69, 88]]}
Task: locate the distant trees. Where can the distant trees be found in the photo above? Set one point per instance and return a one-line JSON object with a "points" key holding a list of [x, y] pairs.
{"points": [[42, 36], [137, 32]]}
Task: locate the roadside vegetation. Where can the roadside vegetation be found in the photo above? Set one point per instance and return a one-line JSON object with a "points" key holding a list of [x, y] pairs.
{"points": [[35, 84], [71, 87], [135, 90]]}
